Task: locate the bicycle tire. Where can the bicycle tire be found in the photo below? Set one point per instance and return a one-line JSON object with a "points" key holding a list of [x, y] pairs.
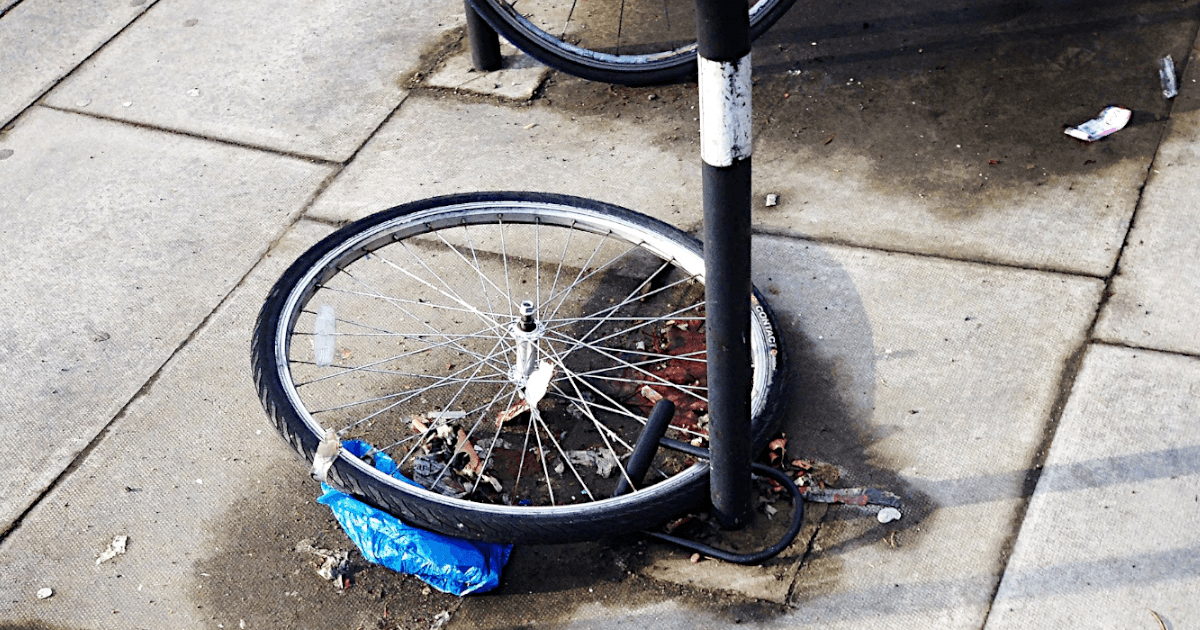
{"points": [[281, 363], [669, 62]]}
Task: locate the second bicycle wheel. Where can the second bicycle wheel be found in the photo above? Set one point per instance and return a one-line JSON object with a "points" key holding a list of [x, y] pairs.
{"points": [[629, 42], [429, 329]]}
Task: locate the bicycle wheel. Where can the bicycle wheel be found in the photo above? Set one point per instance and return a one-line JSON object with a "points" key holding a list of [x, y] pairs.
{"points": [[422, 329], [630, 42]]}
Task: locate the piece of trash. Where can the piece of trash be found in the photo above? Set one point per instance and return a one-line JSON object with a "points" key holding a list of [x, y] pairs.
{"points": [[603, 460], [772, 200], [127, 104], [538, 382], [115, 548], [888, 514], [830, 138], [1110, 120], [777, 448], [324, 336], [695, 558], [333, 563], [83, 103], [530, 126], [851, 496], [650, 394], [44, 593], [446, 415], [194, 92], [1166, 73], [327, 451], [440, 620], [451, 565], [431, 473], [1159, 619], [518, 408]]}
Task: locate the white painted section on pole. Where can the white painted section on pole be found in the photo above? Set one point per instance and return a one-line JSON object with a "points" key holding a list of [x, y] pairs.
{"points": [[725, 117]]}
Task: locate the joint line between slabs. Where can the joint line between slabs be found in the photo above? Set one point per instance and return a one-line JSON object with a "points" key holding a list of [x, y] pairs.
{"points": [[1129, 346], [93, 443], [67, 75], [1067, 378], [778, 233], [313, 159]]}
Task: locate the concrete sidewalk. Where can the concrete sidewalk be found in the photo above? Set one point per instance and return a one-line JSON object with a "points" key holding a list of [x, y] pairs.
{"points": [[985, 316]]}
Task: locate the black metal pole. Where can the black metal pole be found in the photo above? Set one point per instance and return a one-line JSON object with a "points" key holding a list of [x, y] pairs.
{"points": [[723, 34], [485, 42]]}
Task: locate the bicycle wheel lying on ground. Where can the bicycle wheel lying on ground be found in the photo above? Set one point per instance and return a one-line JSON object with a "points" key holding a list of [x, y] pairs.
{"points": [[630, 42], [426, 330]]}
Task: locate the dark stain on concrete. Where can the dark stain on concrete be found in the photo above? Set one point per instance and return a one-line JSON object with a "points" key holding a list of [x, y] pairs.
{"points": [[964, 103], [257, 576]]}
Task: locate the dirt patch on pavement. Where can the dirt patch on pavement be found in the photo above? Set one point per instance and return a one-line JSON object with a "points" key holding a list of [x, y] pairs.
{"points": [[964, 102], [254, 575]]}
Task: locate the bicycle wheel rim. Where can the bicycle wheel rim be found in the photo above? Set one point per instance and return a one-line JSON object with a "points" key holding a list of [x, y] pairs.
{"points": [[359, 241]]}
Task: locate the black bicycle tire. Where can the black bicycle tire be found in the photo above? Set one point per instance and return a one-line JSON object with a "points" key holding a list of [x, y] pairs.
{"points": [[556, 54], [625, 514]]}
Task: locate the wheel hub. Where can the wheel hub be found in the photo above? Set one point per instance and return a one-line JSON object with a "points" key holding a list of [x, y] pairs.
{"points": [[526, 331]]}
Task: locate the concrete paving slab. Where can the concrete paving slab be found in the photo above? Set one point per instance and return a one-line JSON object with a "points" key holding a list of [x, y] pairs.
{"points": [[315, 80], [939, 129], [932, 379], [213, 504], [42, 40], [517, 80], [467, 146], [120, 241], [1157, 286], [1070, 224], [1110, 539]]}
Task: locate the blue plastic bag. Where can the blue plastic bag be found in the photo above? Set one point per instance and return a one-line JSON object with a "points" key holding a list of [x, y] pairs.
{"points": [[452, 565]]}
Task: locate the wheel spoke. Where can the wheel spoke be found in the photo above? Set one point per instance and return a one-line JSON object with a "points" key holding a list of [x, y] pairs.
{"points": [[608, 310], [410, 394], [601, 428], [656, 378], [467, 440], [625, 331], [491, 322], [635, 291], [447, 406], [401, 308], [369, 367], [561, 453], [397, 300], [495, 437], [558, 270], [566, 291]]}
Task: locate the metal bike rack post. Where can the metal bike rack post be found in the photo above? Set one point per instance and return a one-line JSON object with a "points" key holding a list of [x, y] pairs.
{"points": [[485, 42], [723, 35]]}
